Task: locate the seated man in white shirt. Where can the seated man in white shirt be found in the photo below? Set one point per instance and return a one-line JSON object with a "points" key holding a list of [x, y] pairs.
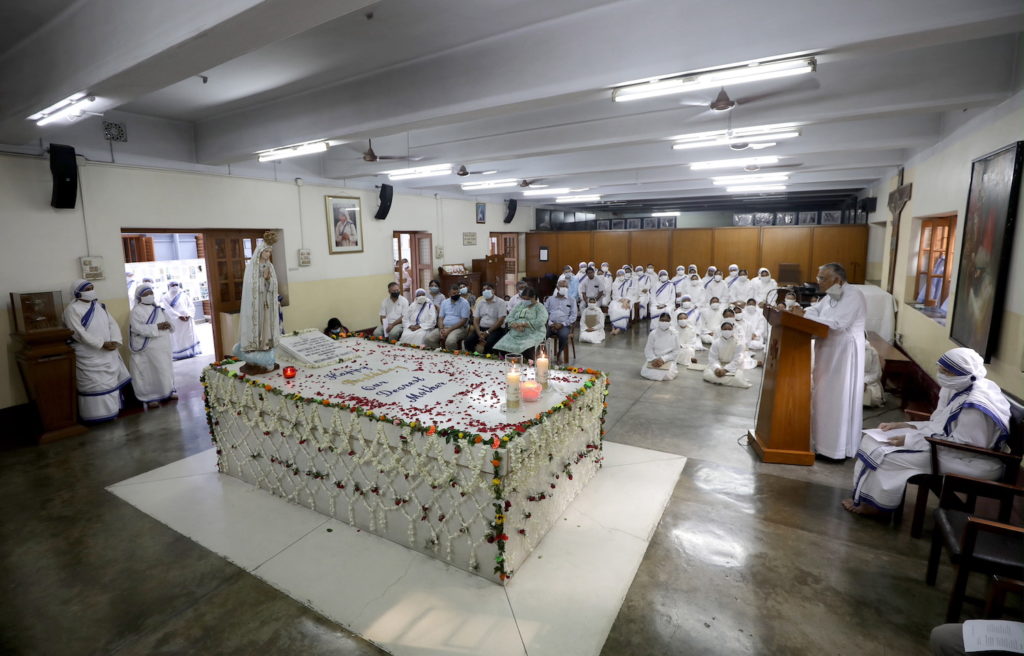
{"points": [[488, 322], [392, 309], [724, 360], [591, 287]]}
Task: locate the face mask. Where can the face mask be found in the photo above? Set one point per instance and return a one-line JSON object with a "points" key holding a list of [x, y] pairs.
{"points": [[687, 305], [743, 277], [592, 306], [148, 299], [715, 306], [726, 334], [604, 268], [394, 295], [956, 383], [790, 302], [835, 291], [733, 272], [663, 325], [420, 300], [463, 290], [88, 296], [650, 269], [679, 271], [684, 322], [336, 331], [718, 277], [663, 278], [561, 291], [434, 290], [765, 277], [695, 280], [627, 275], [732, 319], [488, 294], [455, 296], [750, 310]]}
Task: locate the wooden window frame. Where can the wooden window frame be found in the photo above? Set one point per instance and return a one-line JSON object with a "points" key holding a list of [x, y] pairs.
{"points": [[930, 246]]}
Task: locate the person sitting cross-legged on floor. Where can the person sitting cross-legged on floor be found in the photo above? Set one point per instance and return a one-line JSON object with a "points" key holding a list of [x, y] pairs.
{"points": [[725, 360], [661, 350]]}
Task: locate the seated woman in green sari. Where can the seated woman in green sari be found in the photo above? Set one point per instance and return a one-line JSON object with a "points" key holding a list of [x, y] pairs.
{"points": [[527, 326]]}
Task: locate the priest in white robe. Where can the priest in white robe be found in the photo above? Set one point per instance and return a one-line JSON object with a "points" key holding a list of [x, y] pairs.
{"points": [[661, 351], [971, 410], [663, 296], [177, 303], [725, 360], [99, 371], [592, 323], [838, 378], [419, 322], [149, 346]]}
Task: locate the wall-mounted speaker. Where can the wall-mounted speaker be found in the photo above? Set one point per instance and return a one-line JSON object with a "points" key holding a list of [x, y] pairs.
{"points": [[386, 194], [510, 211], [64, 169], [869, 204]]}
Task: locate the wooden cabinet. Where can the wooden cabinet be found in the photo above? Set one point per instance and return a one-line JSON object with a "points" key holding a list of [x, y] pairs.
{"points": [[739, 246], [47, 366], [845, 244], [535, 241], [787, 245], [611, 247], [573, 248], [691, 246], [651, 247]]}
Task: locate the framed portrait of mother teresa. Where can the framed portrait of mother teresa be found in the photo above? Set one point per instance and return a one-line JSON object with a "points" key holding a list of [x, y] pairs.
{"points": [[987, 249], [344, 225]]}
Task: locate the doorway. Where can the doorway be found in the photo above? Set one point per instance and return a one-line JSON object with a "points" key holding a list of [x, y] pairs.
{"points": [[506, 245], [412, 253]]}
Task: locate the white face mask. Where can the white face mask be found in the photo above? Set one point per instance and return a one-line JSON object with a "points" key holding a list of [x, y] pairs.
{"points": [[715, 306], [687, 305], [684, 323], [790, 302], [434, 290], [718, 277], [420, 300], [147, 299], [694, 281], [561, 291], [733, 272], [463, 290], [955, 383], [650, 269], [679, 271], [488, 294], [726, 334], [766, 277], [88, 296], [627, 275], [743, 278], [604, 267], [592, 306], [663, 278], [835, 291], [750, 310], [664, 325]]}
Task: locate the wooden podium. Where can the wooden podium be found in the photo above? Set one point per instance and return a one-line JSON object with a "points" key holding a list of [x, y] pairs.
{"points": [[783, 433]]}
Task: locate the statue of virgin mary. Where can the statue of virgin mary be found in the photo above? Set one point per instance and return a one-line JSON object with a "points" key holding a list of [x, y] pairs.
{"points": [[259, 327]]}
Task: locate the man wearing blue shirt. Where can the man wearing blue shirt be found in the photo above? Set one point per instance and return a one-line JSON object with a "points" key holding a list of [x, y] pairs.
{"points": [[452, 319], [561, 313]]}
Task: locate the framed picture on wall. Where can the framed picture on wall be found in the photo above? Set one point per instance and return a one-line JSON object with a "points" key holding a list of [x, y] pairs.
{"points": [[785, 218], [986, 249], [481, 212], [344, 225], [807, 218], [764, 218], [542, 220], [831, 217], [666, 222], [742, 219], [604, 224], [618, 224], [634, 224], [650, 222]]}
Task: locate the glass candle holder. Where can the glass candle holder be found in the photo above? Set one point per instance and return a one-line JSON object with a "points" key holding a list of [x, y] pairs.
{"points": [[542, 364], [512, 381], [289, 372]]}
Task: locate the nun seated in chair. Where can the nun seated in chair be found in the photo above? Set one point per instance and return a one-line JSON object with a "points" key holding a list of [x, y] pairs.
{"points": [[971, 410], [661, 351]]}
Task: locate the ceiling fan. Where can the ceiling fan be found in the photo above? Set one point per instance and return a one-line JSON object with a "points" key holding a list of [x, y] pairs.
{"points": [[527, 183], [463, 171], [723, 103], [370, 156]]}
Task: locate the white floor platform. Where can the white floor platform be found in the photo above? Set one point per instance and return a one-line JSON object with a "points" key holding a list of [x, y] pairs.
{"points": [[562, 601]]}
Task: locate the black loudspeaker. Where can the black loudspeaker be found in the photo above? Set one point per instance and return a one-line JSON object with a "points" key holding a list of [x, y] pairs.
{"points": [[510, 212], [64, 169], [868, 205], [386, 192]]}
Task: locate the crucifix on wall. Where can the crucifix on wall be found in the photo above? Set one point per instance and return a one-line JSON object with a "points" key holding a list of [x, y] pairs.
{"points": [[898, 198]]}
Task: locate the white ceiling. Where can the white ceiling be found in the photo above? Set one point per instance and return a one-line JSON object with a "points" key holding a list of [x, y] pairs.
{"points": [[522, 86]]}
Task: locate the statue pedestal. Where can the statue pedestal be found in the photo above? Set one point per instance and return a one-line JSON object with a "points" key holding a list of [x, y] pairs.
{"points": [[47, 366], [256, 362]]}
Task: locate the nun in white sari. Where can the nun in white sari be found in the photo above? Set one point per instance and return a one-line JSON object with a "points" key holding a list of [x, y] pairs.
{"points": [[99, 371], [419, 323], [971, 410], [661, 351], [623, 297], [689, 342], [663, 295], [725, 360], [149, 342], [592, 323], [179, 307]]}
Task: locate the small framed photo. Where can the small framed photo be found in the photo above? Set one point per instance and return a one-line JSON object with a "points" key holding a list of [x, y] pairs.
{"points": [[344, 227], [650, 223], [604, 224], [831, 217], [666, 222], [37, 311], [764, 218], [634, 224], [481, 212], [785, 218], [543, 220], [807, 218], [618, 224], [742, 219], [862, 216]]}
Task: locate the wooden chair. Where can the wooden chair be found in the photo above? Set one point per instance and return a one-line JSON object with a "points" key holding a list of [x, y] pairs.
{"points": [[975, 544], [563, 354], [932, 482], [996, 598]]}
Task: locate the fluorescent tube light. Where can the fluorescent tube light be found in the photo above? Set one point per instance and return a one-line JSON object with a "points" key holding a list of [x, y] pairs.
{"points": [[764, 187], [726, 141], [665, 214], [295, 150], [557, 191], [734, 163], [419, 172], [491, 172], [490, 184], [584, 198], [55, 107], [714, 79], [751, 178]]}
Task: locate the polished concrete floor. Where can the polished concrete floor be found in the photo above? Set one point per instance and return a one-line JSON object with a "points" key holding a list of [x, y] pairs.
{"points": [[748, 558]]}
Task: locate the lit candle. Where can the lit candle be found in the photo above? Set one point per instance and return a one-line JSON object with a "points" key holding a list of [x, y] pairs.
{"points": [[289, 372], [512, 389], [531, 390], [542, 369]]}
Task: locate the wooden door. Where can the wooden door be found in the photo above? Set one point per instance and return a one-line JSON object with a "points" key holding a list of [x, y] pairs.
{"points": [[506, 244], [650, 247], [422, 264], [227, 252], [691, 246], [739, 246], [787, 245], [845, 244], [611, 247]]}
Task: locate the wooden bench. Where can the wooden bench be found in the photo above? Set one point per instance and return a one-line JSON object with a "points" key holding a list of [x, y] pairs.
{"points": [[897, 368]]}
